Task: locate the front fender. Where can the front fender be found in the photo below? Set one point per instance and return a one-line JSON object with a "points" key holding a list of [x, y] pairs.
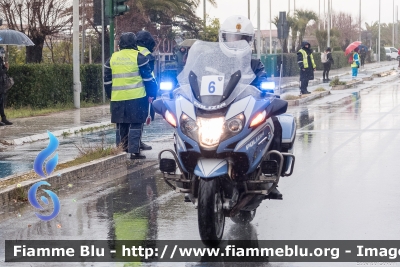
{"points": [[210, 168]]}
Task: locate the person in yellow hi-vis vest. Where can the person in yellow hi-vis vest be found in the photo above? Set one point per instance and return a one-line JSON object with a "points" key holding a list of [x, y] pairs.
{"points": [[307, 66], [355, 64], [130, 85]]}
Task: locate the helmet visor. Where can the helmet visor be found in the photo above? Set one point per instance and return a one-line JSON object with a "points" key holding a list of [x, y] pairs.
{"points": [[232, 37]]}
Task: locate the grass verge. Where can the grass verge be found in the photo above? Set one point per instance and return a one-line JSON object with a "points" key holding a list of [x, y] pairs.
{"points": [[86, 154], [290, 97], [336, 82], [320, 89], [24, 112]]}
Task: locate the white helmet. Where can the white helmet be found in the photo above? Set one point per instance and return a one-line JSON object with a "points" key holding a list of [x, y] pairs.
{"points": [[236, 28]]}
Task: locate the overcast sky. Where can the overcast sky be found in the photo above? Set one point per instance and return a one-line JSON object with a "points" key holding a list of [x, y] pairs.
{"points": [[369, 9]]}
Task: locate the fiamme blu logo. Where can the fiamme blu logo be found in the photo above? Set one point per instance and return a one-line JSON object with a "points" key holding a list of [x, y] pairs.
{"points": [[42, 162]]}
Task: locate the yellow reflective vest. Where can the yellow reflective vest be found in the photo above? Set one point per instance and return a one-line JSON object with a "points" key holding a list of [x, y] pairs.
{"points": [[356, 59], [127, 84], [305, 61], [143, 50]]}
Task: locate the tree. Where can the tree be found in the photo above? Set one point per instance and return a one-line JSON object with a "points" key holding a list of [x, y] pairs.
{"points": [[38, 19], [303, 18], [322, 38], [211, 31], [348, 28], [294, 28], [169, 15]]}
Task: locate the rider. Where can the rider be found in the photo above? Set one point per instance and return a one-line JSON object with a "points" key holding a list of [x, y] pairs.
{"points": [[237, 28]]}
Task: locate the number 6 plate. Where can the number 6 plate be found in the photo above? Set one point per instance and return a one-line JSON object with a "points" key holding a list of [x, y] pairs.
{"points": [[212, 85]]}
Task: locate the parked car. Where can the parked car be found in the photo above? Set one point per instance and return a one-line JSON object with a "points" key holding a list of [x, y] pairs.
{"points": [[391, 53]]}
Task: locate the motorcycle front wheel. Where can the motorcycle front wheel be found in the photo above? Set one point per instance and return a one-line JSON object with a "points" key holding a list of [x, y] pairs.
{"points": [[211, 216]]}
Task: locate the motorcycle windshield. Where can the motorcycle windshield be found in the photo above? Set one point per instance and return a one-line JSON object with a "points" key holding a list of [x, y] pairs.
{"points": [[212, 79]]}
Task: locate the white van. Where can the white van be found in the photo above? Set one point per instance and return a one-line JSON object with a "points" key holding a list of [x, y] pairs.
{"points": [[391, 53]]}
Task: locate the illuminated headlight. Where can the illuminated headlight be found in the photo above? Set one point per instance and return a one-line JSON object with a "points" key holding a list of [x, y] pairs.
{"points": [[210, 130]]}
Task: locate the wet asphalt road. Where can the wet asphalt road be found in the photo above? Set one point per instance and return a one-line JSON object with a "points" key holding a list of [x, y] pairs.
{"points": [[344, 187]]}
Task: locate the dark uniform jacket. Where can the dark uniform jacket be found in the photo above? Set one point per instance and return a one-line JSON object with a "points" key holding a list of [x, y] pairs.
{"points": [[308, 73], [135, 110]]}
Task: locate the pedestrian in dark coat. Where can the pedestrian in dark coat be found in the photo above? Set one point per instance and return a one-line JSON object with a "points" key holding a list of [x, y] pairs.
{"points": [[130, 85], [307, 66], [3, 71], [145, 40], [146, 44], [327, 64]]}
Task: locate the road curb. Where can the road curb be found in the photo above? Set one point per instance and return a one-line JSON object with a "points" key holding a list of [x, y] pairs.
{"points": [[115, 166], [347, 85], [384, 73], [44, 136], [308, 98]]}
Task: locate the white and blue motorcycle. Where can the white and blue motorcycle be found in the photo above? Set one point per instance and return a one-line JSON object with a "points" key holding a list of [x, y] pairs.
{"points": [[224, 158]]}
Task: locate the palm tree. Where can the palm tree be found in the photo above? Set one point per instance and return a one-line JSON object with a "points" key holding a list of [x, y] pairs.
{"points": [[303, 18], [294, 28]]}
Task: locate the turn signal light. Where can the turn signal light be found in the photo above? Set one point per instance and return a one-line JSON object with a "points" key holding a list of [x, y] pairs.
{"points": [[260, 118], [170, 118]]}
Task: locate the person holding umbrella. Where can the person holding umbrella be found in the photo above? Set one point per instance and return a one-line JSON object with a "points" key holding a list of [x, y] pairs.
{"points": [[3, 71], [363, 54], [355, 64]]}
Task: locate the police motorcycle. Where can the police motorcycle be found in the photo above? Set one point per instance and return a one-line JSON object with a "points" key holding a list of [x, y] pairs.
{"points": [[223, 158]]}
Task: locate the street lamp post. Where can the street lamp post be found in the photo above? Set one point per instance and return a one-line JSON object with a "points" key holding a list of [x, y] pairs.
{"points": [[379, 34], [248, 9], [359, 19], [204, 13], [393, 26], [75, 52], [259, 31], [328, 43], [270, 28]]}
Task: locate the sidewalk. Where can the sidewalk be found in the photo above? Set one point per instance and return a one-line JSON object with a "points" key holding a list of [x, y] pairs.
{"points": [[24, 129], [343, 74]]}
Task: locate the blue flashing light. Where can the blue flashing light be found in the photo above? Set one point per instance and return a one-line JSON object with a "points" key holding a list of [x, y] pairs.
{"points": [[166, 86], [267, 85]]}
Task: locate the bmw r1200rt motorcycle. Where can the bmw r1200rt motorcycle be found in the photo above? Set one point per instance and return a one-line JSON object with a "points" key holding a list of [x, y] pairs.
{"points": [[224, 138]]}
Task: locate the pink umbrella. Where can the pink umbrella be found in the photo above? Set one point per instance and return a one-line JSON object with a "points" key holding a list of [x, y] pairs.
{"points": [[351, 47]]}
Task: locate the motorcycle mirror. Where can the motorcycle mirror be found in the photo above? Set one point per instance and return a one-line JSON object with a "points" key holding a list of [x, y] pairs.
{"points": [[159, 107]]}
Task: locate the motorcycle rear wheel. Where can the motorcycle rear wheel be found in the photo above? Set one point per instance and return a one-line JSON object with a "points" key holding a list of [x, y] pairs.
{"points": [[211, 218], [244, 217]]}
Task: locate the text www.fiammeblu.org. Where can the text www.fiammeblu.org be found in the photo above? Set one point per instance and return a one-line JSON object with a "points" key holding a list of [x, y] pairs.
{"points": [[233, 251]]}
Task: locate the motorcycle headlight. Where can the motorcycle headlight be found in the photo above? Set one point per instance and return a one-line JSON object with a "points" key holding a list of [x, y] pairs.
{"points": [[188, 126], [210, 130], [235, 125]]}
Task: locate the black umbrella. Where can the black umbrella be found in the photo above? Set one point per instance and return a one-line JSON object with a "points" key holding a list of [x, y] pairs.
{"points": [[11, 37]]}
